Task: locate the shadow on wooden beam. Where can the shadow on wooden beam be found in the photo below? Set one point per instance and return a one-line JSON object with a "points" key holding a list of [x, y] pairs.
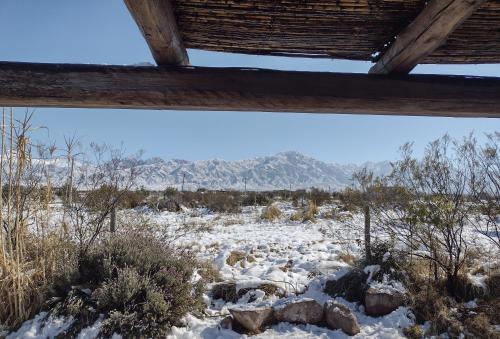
{"points": [[236, 89]]}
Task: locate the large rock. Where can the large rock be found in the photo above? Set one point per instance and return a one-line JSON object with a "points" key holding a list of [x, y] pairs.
{"points": [[380, 302], [253, 319], [339, 316], [351, 286], [303, 311]]}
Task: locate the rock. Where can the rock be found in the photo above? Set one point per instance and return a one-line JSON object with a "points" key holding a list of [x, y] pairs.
{"points": [[268, 288], [253, 319], [381, 302], [227, 323], [351, 286], [304, 311], [339, 316], [225, 291]]}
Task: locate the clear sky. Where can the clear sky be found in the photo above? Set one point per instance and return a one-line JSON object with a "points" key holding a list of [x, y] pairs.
{"points": [[102, 31]]}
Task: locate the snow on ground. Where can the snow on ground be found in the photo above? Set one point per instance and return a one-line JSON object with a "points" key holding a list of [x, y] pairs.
{"points": [[296, 256], [293, 255]]}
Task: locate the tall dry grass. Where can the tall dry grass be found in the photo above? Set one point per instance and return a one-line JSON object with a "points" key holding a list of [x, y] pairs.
{"points": [[30, 251]]}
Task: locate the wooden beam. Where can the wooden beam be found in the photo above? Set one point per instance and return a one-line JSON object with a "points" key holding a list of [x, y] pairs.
{"points": [[156, 20], [427, 32], [233, 89]]}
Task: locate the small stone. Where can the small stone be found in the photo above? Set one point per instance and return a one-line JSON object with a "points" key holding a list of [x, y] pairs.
{"points": [[306, 311], [253, 319], [339, 316], [381, 302]]}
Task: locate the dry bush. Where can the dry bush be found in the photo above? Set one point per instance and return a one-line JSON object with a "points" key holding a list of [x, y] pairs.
{"points": [[479, 325], [347, 258], [319, 196], [271, 212], [414, 332], [225, 202], [308, 214], [234, 257], [209, 272]]}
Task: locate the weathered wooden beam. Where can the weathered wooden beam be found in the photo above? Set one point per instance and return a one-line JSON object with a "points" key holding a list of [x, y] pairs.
{"points": [[233, 89], [427, 32], [156, 20]]}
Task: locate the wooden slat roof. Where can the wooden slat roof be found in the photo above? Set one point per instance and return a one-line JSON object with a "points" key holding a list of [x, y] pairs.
{"points": [[348, 29]]}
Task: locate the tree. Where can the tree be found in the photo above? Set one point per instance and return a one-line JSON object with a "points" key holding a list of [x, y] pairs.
{"points": [[102, 182], [428, 210], [483, 166], [365, 183]]}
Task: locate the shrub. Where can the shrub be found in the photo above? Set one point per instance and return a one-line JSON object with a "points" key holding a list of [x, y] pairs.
{"points": [[234, 257], [297, 216], [319, 197], [226, 202], [133, 199], [479, 325], [256, 198], [144, 286], [309, 214], [271, 212], [413, 332]]}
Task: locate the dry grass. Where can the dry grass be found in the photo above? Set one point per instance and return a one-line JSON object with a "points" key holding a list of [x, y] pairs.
{"points": [[31, 253], [309, 214], [347, 258], [271, 212], [234, 257]]}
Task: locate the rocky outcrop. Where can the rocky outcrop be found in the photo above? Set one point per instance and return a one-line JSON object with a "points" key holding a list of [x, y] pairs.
{"points": [[380, 302], [338, 316], [302, 311], [253, 319]]}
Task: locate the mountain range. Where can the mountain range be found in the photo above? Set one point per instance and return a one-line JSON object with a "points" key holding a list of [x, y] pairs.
{"points": [[280, 171], [285, 170]]}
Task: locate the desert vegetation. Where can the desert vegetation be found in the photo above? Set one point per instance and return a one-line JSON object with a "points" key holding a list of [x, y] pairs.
{"points": [[413, 253]]}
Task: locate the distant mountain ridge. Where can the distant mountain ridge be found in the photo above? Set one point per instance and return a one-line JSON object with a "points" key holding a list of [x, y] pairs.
{"points": [[280, 171], [285, 170]]}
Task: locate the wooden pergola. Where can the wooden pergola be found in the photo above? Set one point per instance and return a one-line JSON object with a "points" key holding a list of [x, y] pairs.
{"points": [[394, 34]]}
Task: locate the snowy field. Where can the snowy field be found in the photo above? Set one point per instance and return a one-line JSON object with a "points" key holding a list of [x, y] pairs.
{"points": [[295, 256]]}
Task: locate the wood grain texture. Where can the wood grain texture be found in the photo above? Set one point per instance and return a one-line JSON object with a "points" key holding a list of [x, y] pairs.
{"points": [[230, 89], [424, 35], [157, 23], [348, 29]]}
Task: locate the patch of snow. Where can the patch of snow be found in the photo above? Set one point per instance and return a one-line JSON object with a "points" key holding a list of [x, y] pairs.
{"points": [[42, 326], [371, 270]]}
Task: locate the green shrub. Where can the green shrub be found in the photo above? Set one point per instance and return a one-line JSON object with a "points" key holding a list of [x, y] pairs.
{"points": [[142, 285]]}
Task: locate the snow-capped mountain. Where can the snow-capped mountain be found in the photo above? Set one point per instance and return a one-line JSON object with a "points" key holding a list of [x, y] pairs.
{"points": [[280, 171]]}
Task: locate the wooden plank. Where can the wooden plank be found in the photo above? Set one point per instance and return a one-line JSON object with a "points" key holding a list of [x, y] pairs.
{"points": [[157, 23], [427, 32], [232, 89]]}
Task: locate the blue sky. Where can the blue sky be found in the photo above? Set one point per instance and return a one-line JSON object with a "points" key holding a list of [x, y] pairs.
{"points": [[97, 31]]}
